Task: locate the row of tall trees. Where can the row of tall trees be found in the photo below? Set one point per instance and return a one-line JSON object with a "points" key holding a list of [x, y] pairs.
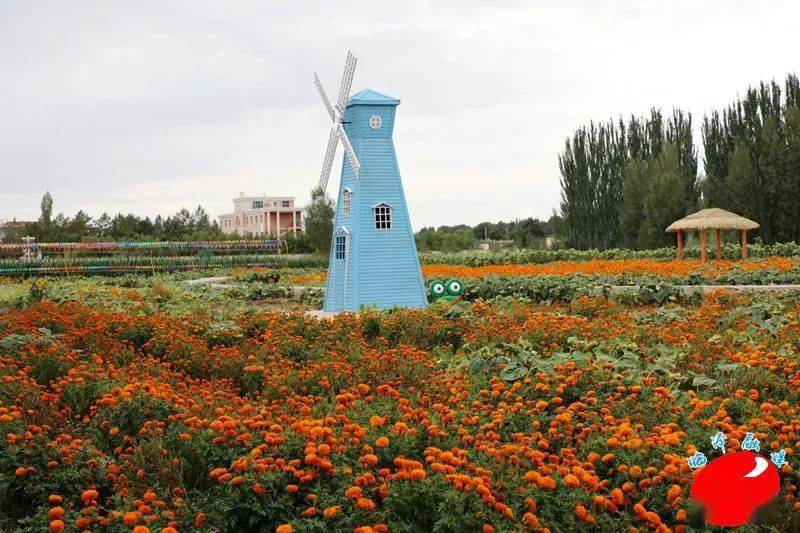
{"points": [[752, 159], [183, 225], [623, 183], [620, 181]]}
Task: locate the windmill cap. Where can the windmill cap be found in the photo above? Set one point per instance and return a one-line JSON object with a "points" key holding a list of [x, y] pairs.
{"points": [[370, 97]]}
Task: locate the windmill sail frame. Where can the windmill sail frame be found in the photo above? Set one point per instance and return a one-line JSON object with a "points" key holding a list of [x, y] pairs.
{"points": [[337, 133]]}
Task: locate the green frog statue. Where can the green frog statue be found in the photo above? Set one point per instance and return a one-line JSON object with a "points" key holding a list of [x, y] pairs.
{"points": [[445, 290]]}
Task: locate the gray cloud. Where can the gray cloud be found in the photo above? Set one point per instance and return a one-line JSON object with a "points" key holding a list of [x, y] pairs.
{"points": [[151, 106]]}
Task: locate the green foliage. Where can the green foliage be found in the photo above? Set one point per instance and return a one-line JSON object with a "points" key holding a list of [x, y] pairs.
{"points": [[752, 155], [510, 257], [664, 200], [12, 344], [79, 397], [548, 289], [524, 233], [431, 506], [596, 163], [514, 361], [144, 264], [634, 190], [224, 333], [131, 414], [444, 240], [258, 291], [319, 221], [182, 226]]}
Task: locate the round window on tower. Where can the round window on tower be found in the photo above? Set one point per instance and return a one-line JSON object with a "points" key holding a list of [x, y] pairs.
{"points": [[375, 122]]}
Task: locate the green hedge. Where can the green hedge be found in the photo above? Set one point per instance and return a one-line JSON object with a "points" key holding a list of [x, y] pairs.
{"points": [[509, 257], [567, 288]]}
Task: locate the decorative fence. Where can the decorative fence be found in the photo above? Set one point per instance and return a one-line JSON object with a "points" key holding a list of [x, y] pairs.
{"points": [[47, 259], [145, 246]]}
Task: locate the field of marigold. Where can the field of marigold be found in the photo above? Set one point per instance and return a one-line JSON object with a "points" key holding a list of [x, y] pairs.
{"points": [[594, 267], [484, 416], [636, 267]]}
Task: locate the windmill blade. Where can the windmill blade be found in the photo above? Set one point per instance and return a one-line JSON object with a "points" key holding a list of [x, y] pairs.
{"points": [[347, 82], [351, 155], [330, 152], [324, 96]]}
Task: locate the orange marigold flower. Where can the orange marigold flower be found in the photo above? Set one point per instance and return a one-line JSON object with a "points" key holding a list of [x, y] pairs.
{"points": [[365, 504], [330, 512], [89, 495], [530, 520], [617, 496], [546, 482], [353, 492], [130, 518]]}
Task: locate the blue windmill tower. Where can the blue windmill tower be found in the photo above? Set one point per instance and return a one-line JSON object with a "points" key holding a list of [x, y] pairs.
{"points": [[373, 257]]}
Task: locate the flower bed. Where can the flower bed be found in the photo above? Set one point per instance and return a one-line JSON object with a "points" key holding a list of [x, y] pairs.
{"points": [[498, 416], [634, 267]]}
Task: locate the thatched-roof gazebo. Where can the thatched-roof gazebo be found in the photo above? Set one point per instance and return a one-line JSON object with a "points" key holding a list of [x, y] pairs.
{"points": [[714, 219]]}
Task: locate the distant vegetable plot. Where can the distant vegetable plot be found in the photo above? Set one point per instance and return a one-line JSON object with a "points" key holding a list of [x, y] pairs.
{"points": [[48, 259]]}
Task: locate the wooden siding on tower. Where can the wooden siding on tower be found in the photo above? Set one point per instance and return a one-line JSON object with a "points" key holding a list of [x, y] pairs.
{"points": [[383, 263]]}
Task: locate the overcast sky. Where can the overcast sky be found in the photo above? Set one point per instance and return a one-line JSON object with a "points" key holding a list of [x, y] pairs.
{"points": [[147, 107]]}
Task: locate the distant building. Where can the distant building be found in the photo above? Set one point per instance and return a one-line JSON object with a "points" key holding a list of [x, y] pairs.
{"points": [[263, 216], [14, 228]]}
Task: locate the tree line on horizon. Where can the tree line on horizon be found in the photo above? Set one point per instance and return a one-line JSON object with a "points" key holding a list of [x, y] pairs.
{"points": [[183, 225], [623, 183], [524, 233]]}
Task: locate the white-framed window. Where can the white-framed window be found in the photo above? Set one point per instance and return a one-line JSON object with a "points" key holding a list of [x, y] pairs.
{"points": [[346, 201], [285, 203], [258, 204], [339, 246], [383, 216]]}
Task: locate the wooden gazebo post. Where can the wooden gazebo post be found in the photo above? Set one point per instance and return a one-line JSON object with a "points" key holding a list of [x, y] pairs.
{"points": [[744, 244], [703, 251], [711, 219]]}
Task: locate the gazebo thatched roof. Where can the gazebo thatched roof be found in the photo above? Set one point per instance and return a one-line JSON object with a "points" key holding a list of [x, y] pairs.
{"points": [[712, 219]]}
